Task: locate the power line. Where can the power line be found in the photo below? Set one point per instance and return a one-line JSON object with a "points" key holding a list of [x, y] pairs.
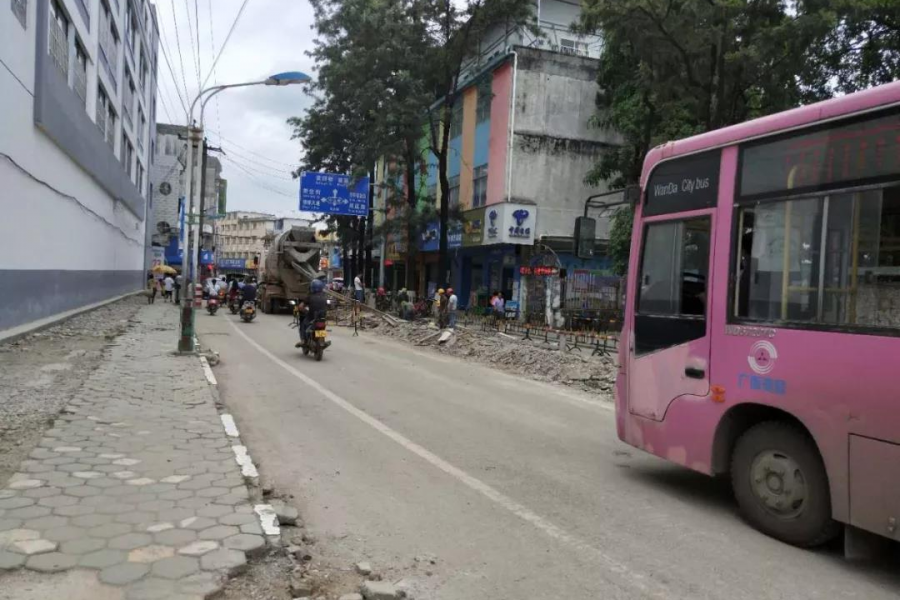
{"points": [[248, 150], [277, 175], [162, 101], [199, 51], [165, 52], [212, 47], [259, 183], [227, 38], [280, 170], [195, 51], [180, 57]]}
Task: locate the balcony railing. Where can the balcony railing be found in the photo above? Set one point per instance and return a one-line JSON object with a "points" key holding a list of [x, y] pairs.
{"points": [[80, 83], [59, 47]]}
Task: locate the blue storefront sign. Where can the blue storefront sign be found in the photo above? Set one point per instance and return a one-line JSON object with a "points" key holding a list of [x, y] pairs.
{"points": [[332, 194], [430, 241], [232, 263]]}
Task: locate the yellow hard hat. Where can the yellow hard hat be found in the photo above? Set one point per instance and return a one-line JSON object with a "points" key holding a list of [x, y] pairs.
{"points": [[441, 291]]}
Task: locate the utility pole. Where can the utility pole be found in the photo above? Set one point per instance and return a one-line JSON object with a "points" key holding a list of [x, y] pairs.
{"points": [[186, 340], [206, 150], [370, 229]]}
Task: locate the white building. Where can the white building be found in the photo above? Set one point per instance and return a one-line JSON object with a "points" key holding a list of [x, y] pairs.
{"points": [[77, 108], [242, 237]]}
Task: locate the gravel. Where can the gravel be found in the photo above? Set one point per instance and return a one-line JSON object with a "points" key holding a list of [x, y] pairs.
{"points": [[40, 373], [534, 359]]}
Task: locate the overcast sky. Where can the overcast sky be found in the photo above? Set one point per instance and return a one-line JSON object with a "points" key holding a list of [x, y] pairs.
{"points": [[271, 36]]}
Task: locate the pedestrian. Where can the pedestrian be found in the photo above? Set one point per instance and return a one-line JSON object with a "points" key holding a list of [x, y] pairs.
{"points": [[452, 304], [498, 305], [178, 289], [444, 310], [358, 291], [151, 289], [169, 287]]}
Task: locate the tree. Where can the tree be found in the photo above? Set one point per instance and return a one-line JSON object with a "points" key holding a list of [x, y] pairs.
{"points": [[674, 68]]}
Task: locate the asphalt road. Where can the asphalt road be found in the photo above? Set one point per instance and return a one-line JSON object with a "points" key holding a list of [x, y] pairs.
{"points": [[519, 489]]}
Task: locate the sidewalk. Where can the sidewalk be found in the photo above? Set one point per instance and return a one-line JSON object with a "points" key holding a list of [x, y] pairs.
{"points": [[135, 487]]}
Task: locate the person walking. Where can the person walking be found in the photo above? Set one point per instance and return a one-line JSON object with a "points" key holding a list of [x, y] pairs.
{"points": [[169, 287], [151, 289], [452, 304], [358, 291]]}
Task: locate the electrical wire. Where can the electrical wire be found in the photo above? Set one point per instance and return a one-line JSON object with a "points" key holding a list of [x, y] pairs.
{"points": [[85, 208], [195, 51], [180, 56], [255, 180], [164, 45], [248, 150], [258, 163], [212, 48], [227, 38], [162, 102], [278, 175]]}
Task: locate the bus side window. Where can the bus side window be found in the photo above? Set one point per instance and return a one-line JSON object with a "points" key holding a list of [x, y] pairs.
{"points": [[671, 304]]}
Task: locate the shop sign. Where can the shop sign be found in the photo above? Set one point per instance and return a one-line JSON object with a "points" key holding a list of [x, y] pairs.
{"points": [[473, 227], [231, 263], [509, 223], [539, 271]]}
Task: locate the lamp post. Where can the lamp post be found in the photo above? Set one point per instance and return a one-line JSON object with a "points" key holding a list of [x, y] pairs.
{"points": [[191, 252]]}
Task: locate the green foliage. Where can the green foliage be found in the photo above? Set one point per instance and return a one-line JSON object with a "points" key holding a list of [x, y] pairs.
{"points": [[620, 239]]}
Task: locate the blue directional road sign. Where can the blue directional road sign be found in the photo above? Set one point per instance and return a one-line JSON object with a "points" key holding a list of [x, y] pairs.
{"points": [[332, 194]]}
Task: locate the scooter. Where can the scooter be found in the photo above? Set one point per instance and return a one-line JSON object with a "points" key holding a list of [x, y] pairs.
{"points": [[234, 304], [248, 311]]}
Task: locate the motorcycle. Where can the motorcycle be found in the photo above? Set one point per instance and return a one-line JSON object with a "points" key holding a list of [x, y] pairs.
{"points": [[248, 311], [212, 305], [234, 304], [315, 334]]}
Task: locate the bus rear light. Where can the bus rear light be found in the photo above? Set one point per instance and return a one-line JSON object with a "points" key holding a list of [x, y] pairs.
{"points": [[718, 393]]}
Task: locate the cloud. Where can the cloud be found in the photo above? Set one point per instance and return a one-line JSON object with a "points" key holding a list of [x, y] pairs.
{"points": [[248, 123]]}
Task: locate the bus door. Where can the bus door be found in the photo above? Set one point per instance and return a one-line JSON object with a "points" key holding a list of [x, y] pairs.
{"points": [[669, 345], [669, 349]]}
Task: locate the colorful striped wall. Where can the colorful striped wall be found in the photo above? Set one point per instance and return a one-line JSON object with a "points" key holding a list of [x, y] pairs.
{"points": [[498, 144]]}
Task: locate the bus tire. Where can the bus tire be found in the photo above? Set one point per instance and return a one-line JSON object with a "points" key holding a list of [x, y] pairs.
{"points": [[781, 486]]}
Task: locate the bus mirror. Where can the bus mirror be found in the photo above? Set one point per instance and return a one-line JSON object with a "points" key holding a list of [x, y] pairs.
{"points": [[585, 236], [633, 194]]}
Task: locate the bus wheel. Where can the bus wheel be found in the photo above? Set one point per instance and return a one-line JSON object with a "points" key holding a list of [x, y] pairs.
{"points": [[781, 486]]}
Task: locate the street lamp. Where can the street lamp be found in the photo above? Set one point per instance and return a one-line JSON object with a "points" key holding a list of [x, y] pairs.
{"points": [[192, 249]]}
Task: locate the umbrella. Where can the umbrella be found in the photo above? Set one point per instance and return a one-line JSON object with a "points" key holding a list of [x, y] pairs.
{"points": [[165, 269]]}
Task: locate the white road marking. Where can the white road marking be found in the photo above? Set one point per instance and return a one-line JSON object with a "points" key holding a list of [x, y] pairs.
{"points": [[637, 580], [248, 469], [230, 427], [208, 371]]}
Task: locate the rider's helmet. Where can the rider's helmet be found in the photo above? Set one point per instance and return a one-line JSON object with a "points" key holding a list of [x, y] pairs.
{"points": [[317, 286]]}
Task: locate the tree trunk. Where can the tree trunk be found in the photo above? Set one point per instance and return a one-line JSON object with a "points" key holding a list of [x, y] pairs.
{"points": [[444, 256], [411, 204]]}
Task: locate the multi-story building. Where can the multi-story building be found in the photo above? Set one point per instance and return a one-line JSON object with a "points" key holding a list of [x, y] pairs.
{"points": [[243, 237], [520, 150], [78, 96], [167, 179]]}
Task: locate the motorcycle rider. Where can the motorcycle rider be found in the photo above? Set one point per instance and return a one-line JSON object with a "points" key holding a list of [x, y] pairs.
{"points": [[248, 293], [316, 307]]}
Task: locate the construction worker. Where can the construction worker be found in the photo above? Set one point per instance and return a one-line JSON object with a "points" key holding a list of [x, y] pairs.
{"points": [[444, 310], [436, 307], [452, 305]]}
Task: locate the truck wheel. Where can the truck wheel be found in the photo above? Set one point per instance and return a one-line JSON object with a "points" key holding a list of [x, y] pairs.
{"points": [[781, 485]]}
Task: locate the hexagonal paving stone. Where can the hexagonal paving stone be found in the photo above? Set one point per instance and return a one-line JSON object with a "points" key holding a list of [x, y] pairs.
{"points": [[58, 501], [124, 573], [176, 495], [251, 544], [48, 522], [43, 492], [29, 512], [91, 520], [149, 554], [25, 484], [223, 560], [214, 512], [16, 502], [83, 491], [10, 560], [175, 537], [219, 532], [32, 547], [238, 519], [110, 530], [51, 562], [197, 523], [254, 528], [156, 505], [102, 559], [176, 567], [175, 478], [199, 548], [136, 518], [75, 510], [151, 588], [212, 492], [7, 524], [115, 508], [141, 481], [130, 541], [17, 535], [82, 546], [158, 527], [204, 585], [64, 534]]}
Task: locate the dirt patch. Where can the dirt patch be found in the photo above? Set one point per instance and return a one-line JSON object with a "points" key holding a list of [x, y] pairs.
{"points": [[41, 372]]}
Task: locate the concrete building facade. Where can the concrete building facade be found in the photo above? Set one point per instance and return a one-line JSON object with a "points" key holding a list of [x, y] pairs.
{"points": [[78, 96]]}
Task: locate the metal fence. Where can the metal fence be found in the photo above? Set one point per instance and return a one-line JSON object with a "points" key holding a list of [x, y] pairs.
{"points": [[597, 343]]}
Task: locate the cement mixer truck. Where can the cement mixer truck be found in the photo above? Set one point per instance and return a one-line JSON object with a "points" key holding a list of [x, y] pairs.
{"points": [[291, 263]]}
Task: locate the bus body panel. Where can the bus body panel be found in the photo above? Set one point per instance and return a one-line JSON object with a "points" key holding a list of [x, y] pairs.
{"points": [[839, 385]]}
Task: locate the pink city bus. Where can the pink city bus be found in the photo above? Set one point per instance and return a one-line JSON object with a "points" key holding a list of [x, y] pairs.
{"points": [[762, 331]]}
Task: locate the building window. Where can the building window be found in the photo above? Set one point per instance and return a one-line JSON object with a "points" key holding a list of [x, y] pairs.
{"points": [[483, 107], [456, 121], [106, 117], [20, 9], [79, 77], [128, 101], [140, 178], [453, 196], [142, 124], [109, 42], [58, 37], [128, 158], [479, 186], [572, 47], [142, 71], [131, 28]]}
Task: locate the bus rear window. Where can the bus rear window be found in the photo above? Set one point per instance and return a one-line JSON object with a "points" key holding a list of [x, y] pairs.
{"points": [[831, 259]]}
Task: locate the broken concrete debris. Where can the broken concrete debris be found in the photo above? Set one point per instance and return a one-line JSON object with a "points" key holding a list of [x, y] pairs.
{"points": [[363, 568], [379, 590]]}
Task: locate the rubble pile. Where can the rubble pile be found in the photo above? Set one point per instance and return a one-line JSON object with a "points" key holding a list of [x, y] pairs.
{"points": [[534, 359]]}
